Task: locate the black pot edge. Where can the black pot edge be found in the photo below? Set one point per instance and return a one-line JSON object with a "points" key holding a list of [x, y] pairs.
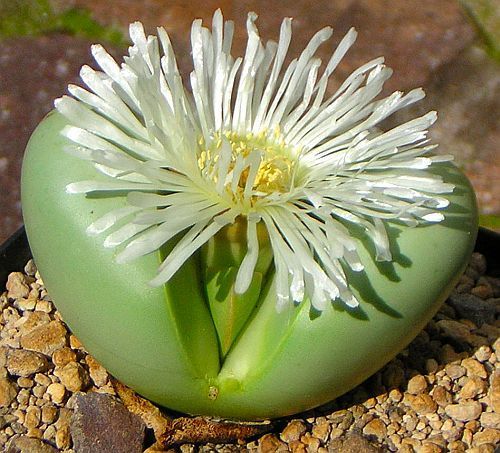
{"points": [[15, 252]]}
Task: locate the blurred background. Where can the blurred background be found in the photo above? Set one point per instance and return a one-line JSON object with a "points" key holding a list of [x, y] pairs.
{"points": [[451, 48]]}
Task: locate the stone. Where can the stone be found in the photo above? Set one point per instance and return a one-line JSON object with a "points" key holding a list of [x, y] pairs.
{"points": [[63, 438], [33, 416], [33, 320], [417, 384], [457, 446], [25, 444], [8, 392], [321, 430], [57, 392], [26, 363], [455, 371], [97, 372], [26, 304], [483, 354], [487, 436], [293, 431], [484, 291], [393, 376], [63, 356], [49, 414], [377, 428], [422, 403], [448, 355], [474, 368], [454, 329], [46, 338], [353, 443], [17, 286], [25, 382], [44, 306], [100, 420], [474, 308], [73, 376], [297, 446], [311, 442], [490, 420], [269, 443], [485, 448], [464, 411], [473, 387], [430, 447], [494, 392]]}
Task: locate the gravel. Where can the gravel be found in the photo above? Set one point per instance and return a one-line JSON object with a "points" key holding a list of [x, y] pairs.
{"points": [[442, 393]]}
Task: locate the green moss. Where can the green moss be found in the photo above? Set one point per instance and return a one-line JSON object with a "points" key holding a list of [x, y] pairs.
{"points": [[485, 15], [37, 17], [490, 221]]}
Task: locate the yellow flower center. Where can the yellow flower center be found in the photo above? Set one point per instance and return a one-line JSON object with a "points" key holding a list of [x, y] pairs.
{"points": [[276, 168]]}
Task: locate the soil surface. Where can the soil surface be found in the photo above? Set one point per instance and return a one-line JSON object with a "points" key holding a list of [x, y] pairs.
{"points": [[440, 394]]}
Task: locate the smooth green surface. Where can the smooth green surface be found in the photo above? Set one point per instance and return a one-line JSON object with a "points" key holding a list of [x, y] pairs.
{"points": [[162, 342]]}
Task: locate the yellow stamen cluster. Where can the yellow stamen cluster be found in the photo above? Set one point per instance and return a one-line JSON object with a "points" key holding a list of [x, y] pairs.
{"points": [[276, 168]]}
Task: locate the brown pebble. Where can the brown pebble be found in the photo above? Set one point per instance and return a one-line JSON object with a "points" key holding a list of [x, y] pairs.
{"points": [[457, 446], [483, 353], [490, 420], [29, 444], [49, 414], [417, 384], [46, 338], [269, 443], [448, 354], [473, 387], [430, 447], [25, 382], [393, 376], [8, 392], [33, 320], [63, 356], [312, 443], [25, 363], [321, 430], [431, 365], [75, 342], [478, 262], [487, 436], [474, 368], [17, 286], [464, 411], [36, 433], [73, 376], [293, 431], [297, 446], [97, 372], [57, 392], [422, 403], [376, 428], [455, 371], [494, 393], [33, 416], [63, 438]]}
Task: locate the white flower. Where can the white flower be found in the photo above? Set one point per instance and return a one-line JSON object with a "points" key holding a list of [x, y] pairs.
{"points": [[253, 141]]}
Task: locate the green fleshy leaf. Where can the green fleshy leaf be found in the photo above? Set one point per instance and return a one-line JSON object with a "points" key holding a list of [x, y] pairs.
{"points": [[221, 258]]}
